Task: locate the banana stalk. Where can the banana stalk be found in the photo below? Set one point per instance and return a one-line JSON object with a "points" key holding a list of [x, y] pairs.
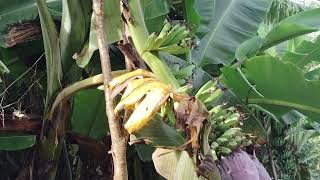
{"points": [[139, 34]]}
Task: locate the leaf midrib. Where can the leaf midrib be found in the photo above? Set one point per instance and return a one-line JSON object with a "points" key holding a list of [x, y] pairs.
{"points": [[277, 102], [215, 30]]}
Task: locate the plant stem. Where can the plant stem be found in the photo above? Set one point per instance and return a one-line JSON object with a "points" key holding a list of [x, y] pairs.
{"points": [[119, 143], [140, 34]]}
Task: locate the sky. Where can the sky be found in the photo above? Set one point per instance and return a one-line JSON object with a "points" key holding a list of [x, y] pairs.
{"points": [[310, 3]]}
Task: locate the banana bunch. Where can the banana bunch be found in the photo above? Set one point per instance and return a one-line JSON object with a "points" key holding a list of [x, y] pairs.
{"points": [[209, 93], [225, 134], [173, 39], [143, 94]]}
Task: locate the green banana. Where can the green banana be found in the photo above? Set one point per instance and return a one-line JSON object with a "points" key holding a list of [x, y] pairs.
{"points": [[228, 123], [163, 35], [172, 49], [171, 34], [232, 132], [180, 35], [232, 144], [221, 140], [209, 93], [204, 88], [150, 42], [174, 34], [224, 150], [214, 145], [213, 97], [214, 155], [159, 40], [185, 72], [239, 139], [185, 89]]}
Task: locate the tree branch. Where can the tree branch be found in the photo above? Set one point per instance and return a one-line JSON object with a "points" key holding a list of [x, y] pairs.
{"points": [[118, 139]]}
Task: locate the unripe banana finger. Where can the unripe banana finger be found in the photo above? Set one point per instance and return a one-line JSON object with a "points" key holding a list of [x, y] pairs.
{"points": [[159, 41], [181, 36], [224, 150], [210, 97], [232, 132], [165, 29], [232, 144], [185, 89], [221, 140], [150, 42], [227, 124], [182, 50], [214, 155], [214, 145], [174, 40], [171, 34], [204, 88], [169, 49], [185, 72]]}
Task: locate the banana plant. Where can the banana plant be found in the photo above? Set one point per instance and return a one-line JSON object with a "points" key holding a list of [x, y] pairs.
{"points": [[174, 110], [283, 109]]}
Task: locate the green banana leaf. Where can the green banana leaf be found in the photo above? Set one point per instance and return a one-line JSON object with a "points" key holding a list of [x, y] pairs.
{"points": [[282, 84], [307, 52], [144, 151], [291, 27], [158, 134], [153, 9], [16, 11], [52, 50], [75, 25], [12, 142], [192, 16], [155, 12], [205, 8], [281, 9], [233, 22], [113, 30], [88, 115]]}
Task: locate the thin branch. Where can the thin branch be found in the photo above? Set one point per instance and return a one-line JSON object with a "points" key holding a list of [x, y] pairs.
{"points": [[118, 139], [273, 166]]}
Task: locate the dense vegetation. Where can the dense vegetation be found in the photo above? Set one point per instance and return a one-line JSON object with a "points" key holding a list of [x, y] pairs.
{"points": [[190, 90]]}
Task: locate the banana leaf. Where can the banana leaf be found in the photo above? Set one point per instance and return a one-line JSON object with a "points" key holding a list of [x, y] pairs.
{"points": [[282, 84], [232, 22], [89, 116], [16, 11], [12, 142], [113, 26], [291, 27], [158, 134]]}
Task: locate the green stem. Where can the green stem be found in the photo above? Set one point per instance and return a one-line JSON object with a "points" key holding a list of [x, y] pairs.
{"points": [[140, 34], [160, 69], [67, 92]]}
